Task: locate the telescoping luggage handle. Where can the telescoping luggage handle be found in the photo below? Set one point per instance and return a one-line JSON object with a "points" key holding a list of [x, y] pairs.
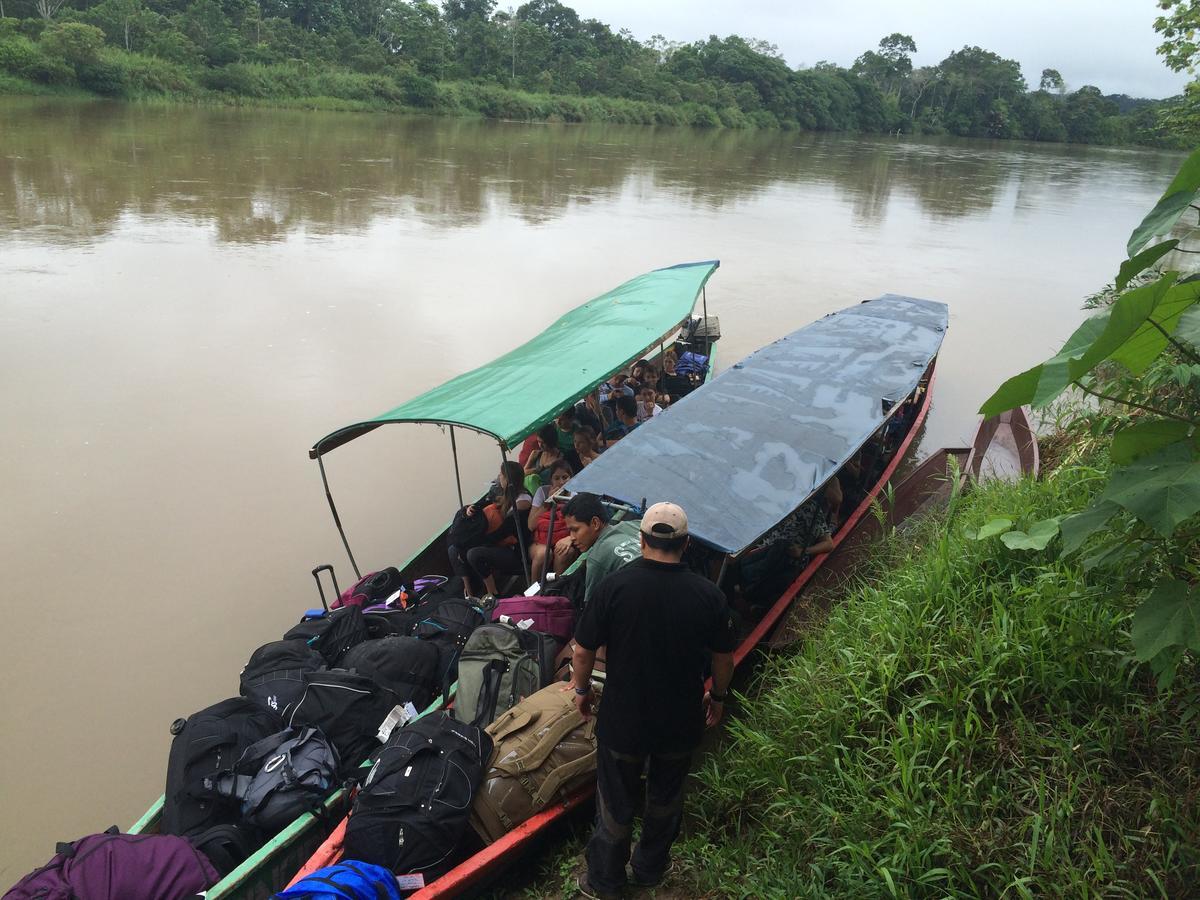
{"points": [[316, 574]]}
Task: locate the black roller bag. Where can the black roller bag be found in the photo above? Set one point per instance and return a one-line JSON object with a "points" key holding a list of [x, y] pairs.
{"points": [[332, 634], [274, 676], [407, 666], [205, 745], [348, 708], [413, 809]]}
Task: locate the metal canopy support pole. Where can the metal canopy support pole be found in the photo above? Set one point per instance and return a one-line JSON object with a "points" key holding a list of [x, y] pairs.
{"points": [[704, 299], [336, 518], [517, 521], [457, 476]]}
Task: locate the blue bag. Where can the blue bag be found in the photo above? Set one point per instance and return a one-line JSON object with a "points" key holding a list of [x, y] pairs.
{"points": [[348, 880], [691, 363]]}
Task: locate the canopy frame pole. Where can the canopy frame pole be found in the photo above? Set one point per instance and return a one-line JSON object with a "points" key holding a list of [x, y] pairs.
{"points": [[517, 519], [724, 566], [457, 475], [704, 300], [337, 520]]}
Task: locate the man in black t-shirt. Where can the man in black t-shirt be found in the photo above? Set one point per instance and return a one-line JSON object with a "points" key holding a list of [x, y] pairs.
{"points": [[662, 625]]}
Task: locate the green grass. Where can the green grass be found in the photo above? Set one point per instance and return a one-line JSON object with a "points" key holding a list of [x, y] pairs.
{"points": [[967, 723]]}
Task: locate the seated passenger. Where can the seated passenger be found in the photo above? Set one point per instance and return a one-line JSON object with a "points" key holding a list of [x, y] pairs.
{"points": [[626, 421], [539, 520], [587, 445], [615, 387], [540, 460], [674, 383], [784, 552], [647, 407], [501, 550], [567, 422], [608, 547]]}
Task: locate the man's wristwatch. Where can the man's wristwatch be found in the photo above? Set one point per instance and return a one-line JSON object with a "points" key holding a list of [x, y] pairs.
{"points": [[584, 691], [717, 698]]}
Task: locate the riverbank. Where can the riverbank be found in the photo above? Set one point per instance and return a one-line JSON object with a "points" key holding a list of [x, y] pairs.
{"points": [[967, 722]]}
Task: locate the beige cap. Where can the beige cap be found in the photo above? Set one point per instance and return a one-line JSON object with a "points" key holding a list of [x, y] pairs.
{"points": [[665, 520]]}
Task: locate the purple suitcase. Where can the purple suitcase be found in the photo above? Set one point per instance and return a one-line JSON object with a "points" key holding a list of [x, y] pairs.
{"points": [[551, 615], [113, 866]]}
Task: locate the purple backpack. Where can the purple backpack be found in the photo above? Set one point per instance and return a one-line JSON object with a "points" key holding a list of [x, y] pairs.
{"points": [[551, 615], [112, 866]]}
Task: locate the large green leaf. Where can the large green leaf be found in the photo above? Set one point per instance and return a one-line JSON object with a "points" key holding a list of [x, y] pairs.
{"points": [[1040, 534], [990, 529], [1143, 261], [1170, 617], [1044, 382], [1128, 314], [1188, 176], [1148, 342], [1188, 328], [1145, 437], [1162, 489], [1161, 219], [1078, 528]]}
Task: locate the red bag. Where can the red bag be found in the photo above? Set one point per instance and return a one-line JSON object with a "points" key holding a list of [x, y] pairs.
{"points": [[551, 615], [543, 526]]}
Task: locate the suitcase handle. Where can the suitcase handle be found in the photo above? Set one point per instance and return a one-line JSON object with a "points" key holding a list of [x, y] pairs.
{"points": [[316, 574]]}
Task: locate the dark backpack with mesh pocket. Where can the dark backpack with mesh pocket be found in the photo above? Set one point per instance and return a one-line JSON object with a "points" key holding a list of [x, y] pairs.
{"points": [[413, 809]]}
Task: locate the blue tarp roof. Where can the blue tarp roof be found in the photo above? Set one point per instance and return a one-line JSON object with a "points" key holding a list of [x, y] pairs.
{"points": [[745, 450]]}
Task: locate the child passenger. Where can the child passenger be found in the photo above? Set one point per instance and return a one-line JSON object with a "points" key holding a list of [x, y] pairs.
{"points": [[648, 406]]}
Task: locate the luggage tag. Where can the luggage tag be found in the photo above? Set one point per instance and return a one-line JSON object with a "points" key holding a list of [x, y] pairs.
{"points": [[413, 882], [397, 718], [533, 589], [524, 624]]}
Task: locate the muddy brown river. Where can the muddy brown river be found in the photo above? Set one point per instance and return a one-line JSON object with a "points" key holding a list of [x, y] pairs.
{"points": [[190, 297]]}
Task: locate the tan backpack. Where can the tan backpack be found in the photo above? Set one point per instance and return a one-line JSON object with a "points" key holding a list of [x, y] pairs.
{"points": [[543, 750]]}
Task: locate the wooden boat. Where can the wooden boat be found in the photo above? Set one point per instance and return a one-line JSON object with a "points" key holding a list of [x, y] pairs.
{"points": [[1005, 446], [767, 406], [507, 400]]}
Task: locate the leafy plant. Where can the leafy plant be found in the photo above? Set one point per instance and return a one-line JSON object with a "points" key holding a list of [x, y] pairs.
{"points": [[1140, 358]]}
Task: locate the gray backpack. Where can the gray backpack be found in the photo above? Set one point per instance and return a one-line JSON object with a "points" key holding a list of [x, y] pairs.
{"points": [[500, 665], [281, 776]]}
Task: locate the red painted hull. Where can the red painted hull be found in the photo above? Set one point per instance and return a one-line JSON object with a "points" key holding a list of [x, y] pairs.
{"points": [[479, 866]]}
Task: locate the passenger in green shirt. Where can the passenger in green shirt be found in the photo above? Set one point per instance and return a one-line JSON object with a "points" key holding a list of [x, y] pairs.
{"points": [[608, 546]]}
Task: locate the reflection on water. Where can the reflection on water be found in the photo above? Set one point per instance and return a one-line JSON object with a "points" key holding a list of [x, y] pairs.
{"points": [[71, 171], [189, 297]]}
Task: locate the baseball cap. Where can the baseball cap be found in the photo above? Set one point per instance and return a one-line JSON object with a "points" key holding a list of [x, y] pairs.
{"points": [[665, 520]]}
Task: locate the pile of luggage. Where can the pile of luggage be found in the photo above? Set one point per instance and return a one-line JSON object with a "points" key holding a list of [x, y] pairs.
{"points": [[316, 704]]}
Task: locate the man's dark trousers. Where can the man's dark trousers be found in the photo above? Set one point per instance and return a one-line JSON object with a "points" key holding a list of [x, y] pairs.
{"points": [[618, 800]]}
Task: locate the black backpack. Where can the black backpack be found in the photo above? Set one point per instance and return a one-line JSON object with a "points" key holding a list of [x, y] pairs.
{"points": [[406, 666], [413, 809], [347, 707], [274, 676], [466, 532], [281, 776], [383, 622], [206, 744], [447, 623], [332, 634]]}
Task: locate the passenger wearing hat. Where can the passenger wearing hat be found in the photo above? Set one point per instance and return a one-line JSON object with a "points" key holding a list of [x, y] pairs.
{"points": [[662, 625]]}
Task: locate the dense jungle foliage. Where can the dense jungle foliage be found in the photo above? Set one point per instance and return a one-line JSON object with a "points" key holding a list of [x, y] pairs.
{"points": [[539, 61]]}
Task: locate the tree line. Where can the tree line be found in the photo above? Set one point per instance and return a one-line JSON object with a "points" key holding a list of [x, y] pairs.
{"points": [[539, 60]]}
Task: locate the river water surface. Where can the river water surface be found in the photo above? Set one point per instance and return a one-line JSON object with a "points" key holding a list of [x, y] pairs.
{"points": [[190, 297]]}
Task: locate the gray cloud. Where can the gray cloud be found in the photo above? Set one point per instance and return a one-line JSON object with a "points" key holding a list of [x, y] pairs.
{"points": [[1108, 43]]}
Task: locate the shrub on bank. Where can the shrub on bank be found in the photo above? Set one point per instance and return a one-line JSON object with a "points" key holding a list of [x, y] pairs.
{"points": [[961, 726]]}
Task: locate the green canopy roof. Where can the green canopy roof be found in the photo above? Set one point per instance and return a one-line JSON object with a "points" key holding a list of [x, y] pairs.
{"points": [[510, 397]]}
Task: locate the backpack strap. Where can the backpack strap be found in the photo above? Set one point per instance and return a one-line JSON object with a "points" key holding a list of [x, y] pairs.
{"points": [[489, 693], [560, 776], [510, 723], [539, 752]]}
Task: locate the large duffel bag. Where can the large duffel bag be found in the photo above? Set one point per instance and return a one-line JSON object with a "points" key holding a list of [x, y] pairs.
{"points": [[543, 751], [500, 665], [274, 676], [205, 745], [407, 666], [548, 613], [282, 776], [347, 707], [411, 813], [333, 633], [348, 880], [112, 866]]}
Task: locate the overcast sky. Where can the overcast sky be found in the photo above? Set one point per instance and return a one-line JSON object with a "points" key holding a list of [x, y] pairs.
{"points": [[1108, 43]]}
